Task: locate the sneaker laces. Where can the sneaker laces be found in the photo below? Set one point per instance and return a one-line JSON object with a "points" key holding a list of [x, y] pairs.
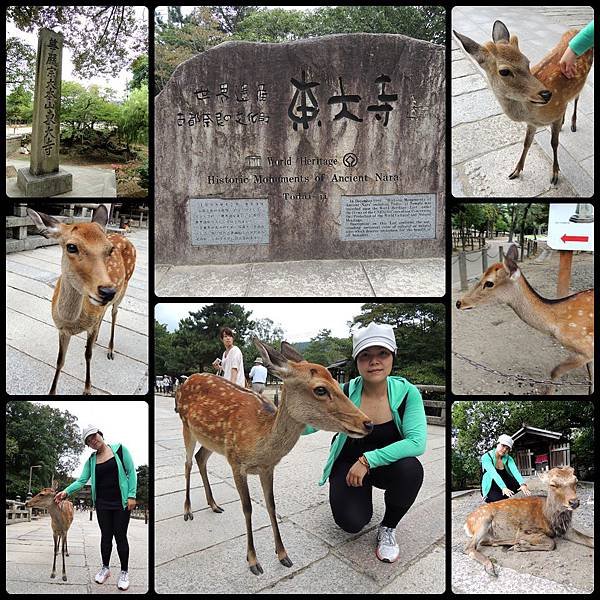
{"points": [[103, 571], [388, 536]]}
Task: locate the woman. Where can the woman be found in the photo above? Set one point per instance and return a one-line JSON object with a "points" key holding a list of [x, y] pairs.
{"points": [[114, 484], [386, 457], [232, 363], [501, 476]]}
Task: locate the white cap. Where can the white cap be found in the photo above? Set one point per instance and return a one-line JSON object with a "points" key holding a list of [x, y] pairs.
{"points": [[374, 335], [88, 431], [506, 440]]}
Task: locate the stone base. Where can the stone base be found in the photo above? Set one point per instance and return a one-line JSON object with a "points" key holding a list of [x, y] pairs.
{"points": [[49, 184]]}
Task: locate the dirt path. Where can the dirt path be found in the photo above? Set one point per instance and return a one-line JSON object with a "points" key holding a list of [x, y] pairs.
{"points": [[569, 565], [495, 337]]}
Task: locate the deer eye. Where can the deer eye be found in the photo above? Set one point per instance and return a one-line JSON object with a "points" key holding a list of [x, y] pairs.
{"points": [[71, 248], [488, 284], [504, 72], [320, 391]]}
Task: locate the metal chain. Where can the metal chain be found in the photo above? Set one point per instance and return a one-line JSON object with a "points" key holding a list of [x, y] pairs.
{"points": [[518, 377]]}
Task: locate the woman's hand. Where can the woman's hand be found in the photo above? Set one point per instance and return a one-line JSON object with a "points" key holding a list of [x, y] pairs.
{"points": [[508, 493], [525, 489], [567, 63], [130, 503], [59, 497], [356, 474]]}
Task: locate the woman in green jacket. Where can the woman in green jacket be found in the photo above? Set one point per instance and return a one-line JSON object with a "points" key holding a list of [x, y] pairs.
{"points": [[114, 485], [501, 476], [386, 458]]}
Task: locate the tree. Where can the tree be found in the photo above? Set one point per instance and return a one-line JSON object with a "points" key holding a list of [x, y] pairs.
{"points": [[19, 105], [139, 68], [20, 64], [133, 121]]}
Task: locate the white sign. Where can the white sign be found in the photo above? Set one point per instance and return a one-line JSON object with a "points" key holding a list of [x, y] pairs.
{"points": [[571, 227]]}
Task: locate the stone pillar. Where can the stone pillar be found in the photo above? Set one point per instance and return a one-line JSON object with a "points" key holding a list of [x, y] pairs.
{"points": [[44, 176]]}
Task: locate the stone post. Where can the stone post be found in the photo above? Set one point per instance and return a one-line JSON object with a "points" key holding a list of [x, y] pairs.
{"points": [[44, 177]]}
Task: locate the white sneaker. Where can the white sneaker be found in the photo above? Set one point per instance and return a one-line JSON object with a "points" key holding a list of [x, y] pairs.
{"points": [[102, 575], [123, 582], [387, 547]]}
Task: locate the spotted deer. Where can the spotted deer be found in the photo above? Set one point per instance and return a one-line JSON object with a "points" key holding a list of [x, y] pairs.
{"points": [[568, 320], [61, 516], [536, 96], [95, 271], [253, 435], [526, 524]]}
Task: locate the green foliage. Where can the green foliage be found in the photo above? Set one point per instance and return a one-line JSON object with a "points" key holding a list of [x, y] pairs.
{"points": [[144, 175], [19, 105], [133, 120], [20, 64], [140, 71]]}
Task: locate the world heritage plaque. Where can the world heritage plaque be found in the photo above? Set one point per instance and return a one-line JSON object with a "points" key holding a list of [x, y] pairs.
{"points": [[325, 148]]}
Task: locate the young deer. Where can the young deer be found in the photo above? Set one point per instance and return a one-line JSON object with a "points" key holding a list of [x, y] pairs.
{"points": [[253, 435], [61, 516], [527, 524], [569, 320], [539, 96], [95, 271]]}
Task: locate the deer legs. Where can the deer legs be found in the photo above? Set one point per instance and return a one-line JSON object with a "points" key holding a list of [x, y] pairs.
{"points": [[201, 458], [63, 344], [472, 546], [571, 363], [110, 355], [554, 142], [91, 340], [579, 538], [526, 144], [57, 539]]}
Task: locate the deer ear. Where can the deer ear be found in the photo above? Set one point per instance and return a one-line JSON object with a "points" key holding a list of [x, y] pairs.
{"points": [[514, 41], [100, 216], [511, 267], [275, 362], [47, 225], [500, 32], [478, 52], [291, 353]]}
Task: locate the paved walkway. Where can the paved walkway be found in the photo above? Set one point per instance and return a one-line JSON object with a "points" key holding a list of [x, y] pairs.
{"points": [[486, 145], [29, 555], [208, 554], [315, 278], [32, 339]]}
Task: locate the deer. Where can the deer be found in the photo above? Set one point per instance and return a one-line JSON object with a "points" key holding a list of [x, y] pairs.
{"points": [[254, 435], [61, 516], [95, 271], [536, 96], [527, 524], [568, 320]]}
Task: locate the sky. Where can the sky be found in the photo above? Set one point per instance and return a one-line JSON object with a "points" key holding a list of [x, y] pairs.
{"points": [[124, 421], [299, 321], [116, 83]]}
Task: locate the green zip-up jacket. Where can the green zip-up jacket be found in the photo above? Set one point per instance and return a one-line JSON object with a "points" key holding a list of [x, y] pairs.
{"points": [[584, 40], [127, 475], [413, 426], [490, 474]]}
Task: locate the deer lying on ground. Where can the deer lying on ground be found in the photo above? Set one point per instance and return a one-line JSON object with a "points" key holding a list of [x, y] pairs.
{"points": [[253, 435], [527, 524], [62, 517], [539, 96], [95, 271], [569, 320]]}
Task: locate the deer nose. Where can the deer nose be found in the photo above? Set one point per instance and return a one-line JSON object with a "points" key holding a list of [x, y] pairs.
{"points": [[368, 426], [574, 503], [106, 293], [458, 303], [546, 95]]}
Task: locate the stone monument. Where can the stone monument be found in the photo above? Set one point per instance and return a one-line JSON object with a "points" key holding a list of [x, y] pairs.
{"points": [[331, 147], [44, 177]]}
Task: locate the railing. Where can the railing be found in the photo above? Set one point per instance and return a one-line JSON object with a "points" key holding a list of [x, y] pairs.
{"points": [[16, 512]]}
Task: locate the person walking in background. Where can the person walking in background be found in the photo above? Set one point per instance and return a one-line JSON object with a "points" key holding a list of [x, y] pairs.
{"points": [[258, 376], [501, 477], [232, 362]]}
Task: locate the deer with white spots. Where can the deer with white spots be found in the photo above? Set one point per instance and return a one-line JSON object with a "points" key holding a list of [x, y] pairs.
{"points": [[569, 320], [539, 96], [253, 434], [95, 271]]}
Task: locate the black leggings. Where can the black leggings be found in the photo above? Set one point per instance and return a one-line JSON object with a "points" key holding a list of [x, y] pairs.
{"points": [[352, 507], [495, 492], [114, 523]]}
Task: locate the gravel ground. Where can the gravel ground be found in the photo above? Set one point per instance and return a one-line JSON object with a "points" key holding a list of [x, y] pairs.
{"points": [[569, 565], [493, 335]]}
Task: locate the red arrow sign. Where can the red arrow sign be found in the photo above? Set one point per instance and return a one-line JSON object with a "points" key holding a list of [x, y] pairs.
{"points": [[574, 238]]}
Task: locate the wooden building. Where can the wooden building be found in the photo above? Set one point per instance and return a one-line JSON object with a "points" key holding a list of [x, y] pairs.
{"points": [[540, 450]]}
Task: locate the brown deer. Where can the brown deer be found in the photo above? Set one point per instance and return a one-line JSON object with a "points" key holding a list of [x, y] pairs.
{"points": [[95, 271], [539, 96], [569, 320], [254, 435], [527, 524], [62, 517]]}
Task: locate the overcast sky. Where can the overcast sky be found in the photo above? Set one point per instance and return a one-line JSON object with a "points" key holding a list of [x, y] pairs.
{"points": [[300, 322], [124, 421]]}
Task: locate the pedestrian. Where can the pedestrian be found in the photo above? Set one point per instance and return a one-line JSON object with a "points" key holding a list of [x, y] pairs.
{"points": [[114, 485], [232, 362], [501, 476], [258, 375], [579, 44], [386, 458]]}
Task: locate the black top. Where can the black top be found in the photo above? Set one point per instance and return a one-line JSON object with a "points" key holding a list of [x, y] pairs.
{"points": [[382, 435], [108, 493]]}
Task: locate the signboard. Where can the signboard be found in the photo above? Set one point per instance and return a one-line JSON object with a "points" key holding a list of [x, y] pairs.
{"points": [[571, 227]]}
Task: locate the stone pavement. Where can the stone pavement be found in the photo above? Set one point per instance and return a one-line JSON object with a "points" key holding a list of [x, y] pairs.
{"points": [[87, 181], [486, 145], [208, 554], [332, 278], [32, 339], [29, 555]]}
